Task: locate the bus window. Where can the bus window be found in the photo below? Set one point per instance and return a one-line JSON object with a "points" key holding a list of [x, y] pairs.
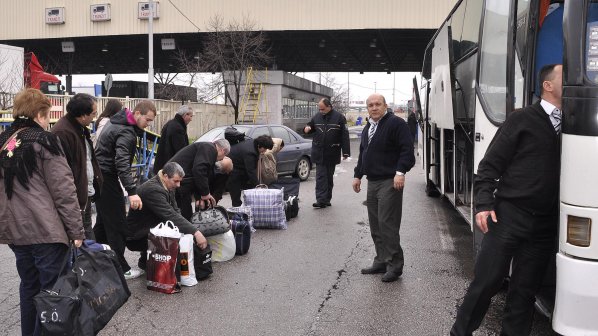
{"points": [[521, 37], [493, 59], [471, 26], [456, 30]]}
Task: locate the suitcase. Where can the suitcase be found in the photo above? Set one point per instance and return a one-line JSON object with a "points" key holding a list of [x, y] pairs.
{"points": [[242, 231], [290, 185]]}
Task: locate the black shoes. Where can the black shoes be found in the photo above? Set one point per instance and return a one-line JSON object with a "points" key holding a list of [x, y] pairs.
{"points": [[319, 205], [391, 276], [328, 204], [374, 269]]}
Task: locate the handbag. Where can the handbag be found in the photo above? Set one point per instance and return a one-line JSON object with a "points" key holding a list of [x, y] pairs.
{"points": [[212, 221], [85, 299], [266, 169], [163, 250]]}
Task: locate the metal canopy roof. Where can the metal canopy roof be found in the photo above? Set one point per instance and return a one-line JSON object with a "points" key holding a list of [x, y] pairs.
{"points": [[382, 50]]}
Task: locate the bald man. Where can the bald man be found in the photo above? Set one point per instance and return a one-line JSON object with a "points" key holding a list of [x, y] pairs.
{"points": [[385, 156]]}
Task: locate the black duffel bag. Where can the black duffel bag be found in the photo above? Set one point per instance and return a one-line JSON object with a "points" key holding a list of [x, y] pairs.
{"points": [[84, 298]]}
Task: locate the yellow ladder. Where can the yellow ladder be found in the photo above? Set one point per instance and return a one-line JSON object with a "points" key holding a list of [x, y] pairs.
{"points": [[254, 92]]}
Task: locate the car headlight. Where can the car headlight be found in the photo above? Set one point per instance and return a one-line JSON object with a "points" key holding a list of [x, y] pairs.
{"points": [[579, 231]]}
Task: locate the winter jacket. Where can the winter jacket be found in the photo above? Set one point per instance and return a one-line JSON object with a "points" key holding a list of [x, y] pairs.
{"points": [[198, 161], [75, 139], [245, 156], [521, 165], [116, 148], [389, 151], [46, 213], [172, 139], [159, 205], [331, 136]]}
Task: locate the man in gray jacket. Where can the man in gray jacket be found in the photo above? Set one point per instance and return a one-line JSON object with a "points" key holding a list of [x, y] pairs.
{"points": [[159, 205]]}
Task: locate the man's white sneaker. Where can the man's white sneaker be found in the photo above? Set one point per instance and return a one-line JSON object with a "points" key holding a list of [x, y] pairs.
{"points": [[133, 273]]}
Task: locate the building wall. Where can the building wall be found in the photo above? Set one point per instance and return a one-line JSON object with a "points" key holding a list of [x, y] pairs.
{"points": [[25, 19]]}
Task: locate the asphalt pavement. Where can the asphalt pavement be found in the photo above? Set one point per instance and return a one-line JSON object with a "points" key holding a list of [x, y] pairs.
{"points": [[306, 281]]}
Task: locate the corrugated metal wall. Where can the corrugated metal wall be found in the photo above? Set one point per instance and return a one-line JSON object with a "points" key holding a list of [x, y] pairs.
{"points": [[25, 19]]}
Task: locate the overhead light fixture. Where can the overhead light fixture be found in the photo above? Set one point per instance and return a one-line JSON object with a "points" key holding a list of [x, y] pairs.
{"points": [[344, 63], [105, 48], [333, 55], [141, 57], [196, 56], [378, 55], [382, 63], [322, 44], [373, 43], [101, 66]]}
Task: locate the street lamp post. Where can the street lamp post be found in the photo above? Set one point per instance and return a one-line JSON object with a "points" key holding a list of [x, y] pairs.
{"points": [[150, 69], [375, 90]]}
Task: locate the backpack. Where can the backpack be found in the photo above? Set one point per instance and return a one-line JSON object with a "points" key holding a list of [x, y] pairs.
{"points": [[266, 169], [291, 207], [233, 135]]}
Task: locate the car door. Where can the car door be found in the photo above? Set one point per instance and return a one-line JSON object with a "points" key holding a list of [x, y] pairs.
{"points": [[290, 153]]}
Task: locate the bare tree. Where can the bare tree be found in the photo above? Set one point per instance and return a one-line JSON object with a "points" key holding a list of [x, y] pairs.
{"points": [[228, 49], [340, 96], [11, 77]]}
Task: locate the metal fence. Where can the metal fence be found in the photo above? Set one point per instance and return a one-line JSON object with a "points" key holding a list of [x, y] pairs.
{"points": [[206, 116]]}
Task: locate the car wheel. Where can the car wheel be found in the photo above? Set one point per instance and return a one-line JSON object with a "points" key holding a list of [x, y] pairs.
{"points": [[303, 169]]}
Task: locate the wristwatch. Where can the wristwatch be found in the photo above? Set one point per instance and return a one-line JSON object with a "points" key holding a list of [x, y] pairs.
{"points": [[400, 173]]}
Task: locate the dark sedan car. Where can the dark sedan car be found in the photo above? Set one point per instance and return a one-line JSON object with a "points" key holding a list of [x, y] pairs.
{"points": [[293, 159]]}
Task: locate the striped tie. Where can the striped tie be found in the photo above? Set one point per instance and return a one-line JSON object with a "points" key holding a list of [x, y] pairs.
{"points": [[556, 119], [371, 131]]}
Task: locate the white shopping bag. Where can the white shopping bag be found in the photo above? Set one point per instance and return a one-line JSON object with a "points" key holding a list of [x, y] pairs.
{"points": [[223, 246], [186, 261]]}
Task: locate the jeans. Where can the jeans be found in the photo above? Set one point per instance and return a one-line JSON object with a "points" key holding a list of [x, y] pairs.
{"points": [[38, 266]]}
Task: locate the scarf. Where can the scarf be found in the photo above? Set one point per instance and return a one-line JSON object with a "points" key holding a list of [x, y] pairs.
{"points": [[19, 159]]}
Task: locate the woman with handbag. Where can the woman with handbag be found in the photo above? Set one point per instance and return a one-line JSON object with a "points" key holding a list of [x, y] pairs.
{"points": [[39, 211]]}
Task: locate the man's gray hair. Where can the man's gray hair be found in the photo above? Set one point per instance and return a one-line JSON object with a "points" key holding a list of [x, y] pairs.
{"points": [[223, 144], [184, 109], [171, 169]]}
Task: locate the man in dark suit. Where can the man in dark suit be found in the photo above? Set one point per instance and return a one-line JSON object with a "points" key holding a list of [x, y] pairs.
{"points": [[331, 136], [516, 193], [173, 137], [198, 161], [385, 156]]}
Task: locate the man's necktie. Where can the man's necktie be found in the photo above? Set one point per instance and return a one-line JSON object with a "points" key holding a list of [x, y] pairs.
{"points": [[371, 131], [556, 119]]}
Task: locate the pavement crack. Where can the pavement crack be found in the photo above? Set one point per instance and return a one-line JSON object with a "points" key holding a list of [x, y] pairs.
{"points": [[332, 289]]}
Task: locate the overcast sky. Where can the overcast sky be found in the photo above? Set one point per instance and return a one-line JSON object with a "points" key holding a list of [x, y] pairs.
{"points": [[360, 85]]}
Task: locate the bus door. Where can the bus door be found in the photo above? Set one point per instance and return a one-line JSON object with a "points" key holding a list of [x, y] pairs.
{"points": [[440, 113]]}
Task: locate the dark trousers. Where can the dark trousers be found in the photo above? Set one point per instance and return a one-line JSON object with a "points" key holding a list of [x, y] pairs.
{"points": [[111, 223], [526, 240], [236, 184], [87, 222], [385, 208], [183, 201], [38, 266], [324, 182]]}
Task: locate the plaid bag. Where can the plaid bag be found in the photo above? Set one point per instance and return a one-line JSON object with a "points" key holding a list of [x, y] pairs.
{"points": [[267, 207]]}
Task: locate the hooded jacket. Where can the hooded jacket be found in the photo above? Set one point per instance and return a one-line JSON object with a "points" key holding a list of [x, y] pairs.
{"points": [[116, 148]]}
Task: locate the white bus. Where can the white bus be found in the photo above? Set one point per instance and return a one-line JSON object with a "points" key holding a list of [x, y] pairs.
{"points": [[481, 64]]}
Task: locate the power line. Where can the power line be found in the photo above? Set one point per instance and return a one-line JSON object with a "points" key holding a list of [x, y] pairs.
{"points": [[173, 5]]}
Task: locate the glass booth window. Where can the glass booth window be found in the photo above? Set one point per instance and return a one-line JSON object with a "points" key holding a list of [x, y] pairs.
{"points": [[493, 59]]}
